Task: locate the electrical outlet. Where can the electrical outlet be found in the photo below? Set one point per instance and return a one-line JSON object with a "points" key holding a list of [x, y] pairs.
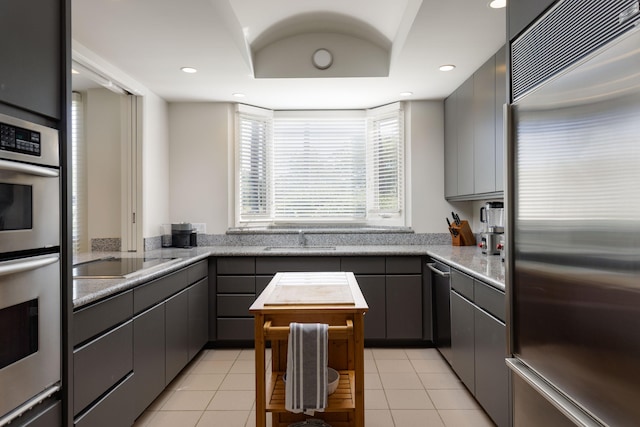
{"points": [[200, 227]]}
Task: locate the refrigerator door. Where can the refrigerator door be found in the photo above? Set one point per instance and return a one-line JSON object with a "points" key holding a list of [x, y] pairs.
{"points": [[576, 232]]}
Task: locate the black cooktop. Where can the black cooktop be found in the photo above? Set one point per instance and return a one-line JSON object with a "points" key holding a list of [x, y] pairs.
{"points": [[114, 267]]}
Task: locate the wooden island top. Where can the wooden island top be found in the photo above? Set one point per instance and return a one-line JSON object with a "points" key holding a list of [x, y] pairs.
{"points": [[333, 298]]}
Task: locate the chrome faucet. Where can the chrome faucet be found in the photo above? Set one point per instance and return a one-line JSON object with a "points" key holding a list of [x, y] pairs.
{"points": [[302, 239]]}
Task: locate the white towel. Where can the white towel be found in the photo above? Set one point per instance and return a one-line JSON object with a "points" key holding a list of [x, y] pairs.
{"points": [[307, 360]]}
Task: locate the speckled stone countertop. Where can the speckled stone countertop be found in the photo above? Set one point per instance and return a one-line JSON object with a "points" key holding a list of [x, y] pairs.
{"points": [[467, 259]]}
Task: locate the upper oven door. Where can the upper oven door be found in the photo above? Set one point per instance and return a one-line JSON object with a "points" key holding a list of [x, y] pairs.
{"points": [[29, 207]]}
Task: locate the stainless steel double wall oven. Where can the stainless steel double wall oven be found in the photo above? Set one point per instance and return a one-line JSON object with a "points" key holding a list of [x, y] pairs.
{"points": [[30, 320]]}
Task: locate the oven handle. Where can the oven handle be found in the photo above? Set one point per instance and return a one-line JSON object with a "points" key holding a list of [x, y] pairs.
{"points": [[28, 169], [19, 266]]}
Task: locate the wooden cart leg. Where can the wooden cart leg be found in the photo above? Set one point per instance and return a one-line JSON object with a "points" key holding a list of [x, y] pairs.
{"points": [[261, 418], [358, 337]]}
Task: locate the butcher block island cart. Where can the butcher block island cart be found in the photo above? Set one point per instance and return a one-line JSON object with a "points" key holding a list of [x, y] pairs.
{"points": [[331, 298]]}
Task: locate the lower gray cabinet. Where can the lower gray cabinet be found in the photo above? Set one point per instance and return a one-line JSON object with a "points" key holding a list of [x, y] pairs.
{"points": [[176, 323], [148, 357], [492, 377], [113, 409], [463, 340], [198, 333], [373, 290], [404, 307]]}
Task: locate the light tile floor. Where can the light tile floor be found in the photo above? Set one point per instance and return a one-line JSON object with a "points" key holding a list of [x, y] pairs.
{"points": [[403, 388]]}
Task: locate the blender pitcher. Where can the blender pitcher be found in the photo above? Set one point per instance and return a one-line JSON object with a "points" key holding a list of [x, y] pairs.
{"points": [[492, 215]]}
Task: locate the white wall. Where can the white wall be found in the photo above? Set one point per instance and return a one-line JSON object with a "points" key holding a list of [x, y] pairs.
{"points": [[198, 163], [102, 137], [155, 164], [427, 206]]}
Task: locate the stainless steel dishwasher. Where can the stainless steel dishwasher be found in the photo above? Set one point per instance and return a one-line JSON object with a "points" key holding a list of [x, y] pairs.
{"points": [[441, 286]]}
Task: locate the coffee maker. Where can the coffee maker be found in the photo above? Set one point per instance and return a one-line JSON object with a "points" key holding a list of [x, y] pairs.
{"points": [[492, 216]]}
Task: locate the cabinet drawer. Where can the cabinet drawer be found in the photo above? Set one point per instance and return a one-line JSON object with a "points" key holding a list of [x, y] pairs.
{"points": [[363, 265], [235, 329], [91, 321], [114, 409], [100, 364], [236, 265], [236, 284], [234, 305], [273, 265], [197, 271], [158, 290], [404, 265], [462, 283], [490, 299]]}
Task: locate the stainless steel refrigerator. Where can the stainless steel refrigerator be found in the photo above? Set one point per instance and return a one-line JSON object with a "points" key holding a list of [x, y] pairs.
{"points": [[573, 198]]}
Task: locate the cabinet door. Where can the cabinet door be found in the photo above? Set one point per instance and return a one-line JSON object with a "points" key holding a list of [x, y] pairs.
{"points": [[484, 143], [491, 372], [465, 138], [31, 44], [176, 334], [373, 290], [148, 357], [198, 316], [451, 124], [404, 307], [462, 340], [501, 99]]}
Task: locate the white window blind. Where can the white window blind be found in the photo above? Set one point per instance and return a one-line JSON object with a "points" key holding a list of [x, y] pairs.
{"points": [[386, 160], [254, 135], [79, 190], [320, 166], [319, 170]]}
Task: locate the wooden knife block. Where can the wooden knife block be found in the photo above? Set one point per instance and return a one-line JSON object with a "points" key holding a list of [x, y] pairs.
{"points": [[464, 236]]}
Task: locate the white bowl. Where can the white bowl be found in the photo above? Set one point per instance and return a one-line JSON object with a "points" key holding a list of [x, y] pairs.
{"points": [[333, 378]]}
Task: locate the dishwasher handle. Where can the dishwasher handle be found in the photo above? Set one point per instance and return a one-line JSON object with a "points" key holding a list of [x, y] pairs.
{"points": [[432, 267]]}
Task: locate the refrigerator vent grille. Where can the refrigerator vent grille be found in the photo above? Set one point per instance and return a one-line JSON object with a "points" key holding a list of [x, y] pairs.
{"points": [[568, 32]]}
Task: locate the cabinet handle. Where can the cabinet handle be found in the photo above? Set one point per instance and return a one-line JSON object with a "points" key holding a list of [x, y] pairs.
{"points": [[432, 267]]}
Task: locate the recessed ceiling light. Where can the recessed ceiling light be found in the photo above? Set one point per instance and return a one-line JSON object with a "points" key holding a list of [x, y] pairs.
{"points": [[498, 4], [189, 70], [406, 93], [447, 67], [238, 95]]}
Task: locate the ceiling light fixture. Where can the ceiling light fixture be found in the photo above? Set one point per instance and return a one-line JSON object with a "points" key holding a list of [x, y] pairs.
{"points": [[498, 4], [406, 93], [189, 70], [238, 95], [447, 67]]}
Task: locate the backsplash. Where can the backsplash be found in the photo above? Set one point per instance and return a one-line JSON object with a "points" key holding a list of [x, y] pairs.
{"points": [[312, 239]]}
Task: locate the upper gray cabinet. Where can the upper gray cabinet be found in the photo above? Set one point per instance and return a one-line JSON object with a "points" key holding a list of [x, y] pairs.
{"points": [[474, 133], [31, 41], [521, 13]]}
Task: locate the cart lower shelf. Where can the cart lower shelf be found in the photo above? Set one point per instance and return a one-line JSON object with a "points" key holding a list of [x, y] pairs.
{"points": [[342, 400]]}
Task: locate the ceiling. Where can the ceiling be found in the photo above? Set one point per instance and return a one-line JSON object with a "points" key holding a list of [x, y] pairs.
{"points": [[150, 40]]}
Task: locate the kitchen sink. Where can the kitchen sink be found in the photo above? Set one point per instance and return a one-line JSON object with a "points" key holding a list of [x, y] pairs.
{"points": [[299, 248]]}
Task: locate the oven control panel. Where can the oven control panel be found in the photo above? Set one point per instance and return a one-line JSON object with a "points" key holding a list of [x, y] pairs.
{"points": [[19, 140]]}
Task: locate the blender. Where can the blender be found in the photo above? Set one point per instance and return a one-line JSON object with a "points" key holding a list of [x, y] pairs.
{"points": [[492, 216]]}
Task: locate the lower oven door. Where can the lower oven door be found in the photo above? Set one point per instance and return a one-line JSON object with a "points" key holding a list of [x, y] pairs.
{"points": [[30, 328]]}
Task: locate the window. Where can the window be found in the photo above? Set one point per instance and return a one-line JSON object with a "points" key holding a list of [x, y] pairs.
{"points": [[320, 167], [79, 175]]}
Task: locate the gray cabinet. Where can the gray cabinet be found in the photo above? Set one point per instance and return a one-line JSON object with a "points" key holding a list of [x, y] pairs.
{"points": [[463, 340], [404, 307], [148, 356], [31, 42], [176, 323], [198, 332], [473, 134], [373, 289], [478, 343], [521, 13]]}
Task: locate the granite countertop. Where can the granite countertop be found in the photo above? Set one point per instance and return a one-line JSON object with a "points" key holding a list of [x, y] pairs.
{"points": [[470, 260]]}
